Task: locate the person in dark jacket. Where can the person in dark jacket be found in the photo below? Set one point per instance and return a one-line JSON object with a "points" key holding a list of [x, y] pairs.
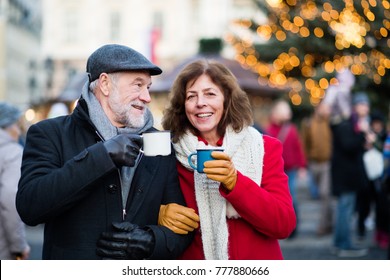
{"points": [[83, 174], [350, 139]]}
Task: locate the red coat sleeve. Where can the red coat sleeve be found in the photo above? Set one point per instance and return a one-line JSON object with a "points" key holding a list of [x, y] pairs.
{"points": [[267, 208]]}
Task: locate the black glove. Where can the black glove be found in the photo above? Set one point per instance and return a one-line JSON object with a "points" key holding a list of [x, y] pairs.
{"points": [[126, 242], [124, 149]]}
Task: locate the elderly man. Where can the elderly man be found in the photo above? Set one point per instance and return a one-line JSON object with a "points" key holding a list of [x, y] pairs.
{"points": [[84, 177]]}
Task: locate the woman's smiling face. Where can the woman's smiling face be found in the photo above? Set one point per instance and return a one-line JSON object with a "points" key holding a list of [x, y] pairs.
{"points": [[204, 107]]}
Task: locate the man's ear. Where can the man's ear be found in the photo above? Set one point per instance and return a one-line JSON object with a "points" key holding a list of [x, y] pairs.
{"points": [[104, 84]]}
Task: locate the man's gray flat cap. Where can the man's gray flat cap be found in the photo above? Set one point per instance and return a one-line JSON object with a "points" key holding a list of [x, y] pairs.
{"points": [[116, 58]]}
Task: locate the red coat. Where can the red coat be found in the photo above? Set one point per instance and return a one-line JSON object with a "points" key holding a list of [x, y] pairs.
{"points": [[266, 212]]}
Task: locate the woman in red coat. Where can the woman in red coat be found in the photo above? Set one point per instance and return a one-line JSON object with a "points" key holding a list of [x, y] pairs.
{"points": [[242, 198]]}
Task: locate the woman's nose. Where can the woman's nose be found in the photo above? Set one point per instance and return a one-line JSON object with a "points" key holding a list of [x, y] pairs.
{"points": [[200, 101]]}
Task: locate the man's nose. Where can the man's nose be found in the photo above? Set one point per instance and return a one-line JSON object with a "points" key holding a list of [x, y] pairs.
{"points": [[145, 96]]}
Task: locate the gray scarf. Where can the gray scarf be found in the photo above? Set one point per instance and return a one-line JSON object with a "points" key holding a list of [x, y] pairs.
{"points": [[107, 130]]}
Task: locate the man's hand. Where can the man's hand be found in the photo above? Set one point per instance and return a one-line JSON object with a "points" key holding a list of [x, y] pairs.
{"points": [[124, 149], [126, 242], [178, 218], [221, 169]]}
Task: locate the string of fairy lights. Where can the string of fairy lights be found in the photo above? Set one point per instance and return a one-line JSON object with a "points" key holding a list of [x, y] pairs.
{"points": [[350, 30]]}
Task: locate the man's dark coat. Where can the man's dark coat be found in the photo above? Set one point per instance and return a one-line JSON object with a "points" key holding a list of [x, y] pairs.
{"points": [[70, 184]]}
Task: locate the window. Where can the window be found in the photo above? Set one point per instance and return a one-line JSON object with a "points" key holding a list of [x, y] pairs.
{"points": [[115, 26], [71, 26]]}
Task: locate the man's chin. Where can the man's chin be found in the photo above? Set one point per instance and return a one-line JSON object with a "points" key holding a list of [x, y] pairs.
{"points": [[136, 122]]}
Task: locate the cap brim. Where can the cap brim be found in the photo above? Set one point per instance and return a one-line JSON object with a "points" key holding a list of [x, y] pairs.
{"points": [[155, 71]]}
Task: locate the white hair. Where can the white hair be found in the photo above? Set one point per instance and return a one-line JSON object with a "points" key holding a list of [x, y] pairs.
{"points": [[113, 76]]}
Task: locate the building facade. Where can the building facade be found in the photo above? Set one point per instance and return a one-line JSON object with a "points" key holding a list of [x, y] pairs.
{"points": [[53, 45], [164, 31], [21, 75]]}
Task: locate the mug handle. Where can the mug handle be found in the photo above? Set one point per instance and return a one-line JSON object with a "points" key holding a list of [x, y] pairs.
{"points": [[190, 161]]}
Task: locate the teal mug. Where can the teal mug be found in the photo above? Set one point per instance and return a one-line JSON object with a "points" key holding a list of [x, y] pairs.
{"points": [[202, 155]]}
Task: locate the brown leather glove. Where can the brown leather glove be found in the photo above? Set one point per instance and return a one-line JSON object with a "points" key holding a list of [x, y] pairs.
{"points": [[221, 169], [178, 218]]}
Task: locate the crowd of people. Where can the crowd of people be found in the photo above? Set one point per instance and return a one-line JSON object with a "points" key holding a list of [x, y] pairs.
{"points": [[85, 177]]}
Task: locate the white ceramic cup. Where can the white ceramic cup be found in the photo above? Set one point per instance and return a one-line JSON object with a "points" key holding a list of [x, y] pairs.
{"points": [[156, 143]]}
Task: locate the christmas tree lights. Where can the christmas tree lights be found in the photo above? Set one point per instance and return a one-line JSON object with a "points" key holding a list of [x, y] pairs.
{"points": [[305, 43]]}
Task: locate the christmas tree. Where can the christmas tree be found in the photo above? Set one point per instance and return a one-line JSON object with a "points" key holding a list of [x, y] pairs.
{"points": [[303, 45]]}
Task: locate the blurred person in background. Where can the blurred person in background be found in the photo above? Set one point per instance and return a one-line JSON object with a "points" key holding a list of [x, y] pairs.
{"points": [[83, 174], [385, 185], [350, 140], [317, 143], [242, 197], [373, 197], [339, 96], [13, 243], [282, 128]]}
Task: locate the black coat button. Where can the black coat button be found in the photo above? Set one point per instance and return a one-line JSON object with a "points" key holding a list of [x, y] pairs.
{"points": [[112, 188]]}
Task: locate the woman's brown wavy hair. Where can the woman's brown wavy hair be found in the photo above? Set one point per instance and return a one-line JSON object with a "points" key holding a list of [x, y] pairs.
{"points": [[237, 108]]}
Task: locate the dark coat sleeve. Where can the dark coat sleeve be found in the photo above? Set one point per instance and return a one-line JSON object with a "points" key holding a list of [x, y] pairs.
{"points": [[54, 178]]}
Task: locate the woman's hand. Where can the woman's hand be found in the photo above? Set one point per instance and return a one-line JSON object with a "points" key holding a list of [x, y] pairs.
{"points": [[221, 169], [178, 218]]}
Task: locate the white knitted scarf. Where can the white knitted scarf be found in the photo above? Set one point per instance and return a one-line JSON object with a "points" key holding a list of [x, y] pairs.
{"points": [[246, 149]]}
